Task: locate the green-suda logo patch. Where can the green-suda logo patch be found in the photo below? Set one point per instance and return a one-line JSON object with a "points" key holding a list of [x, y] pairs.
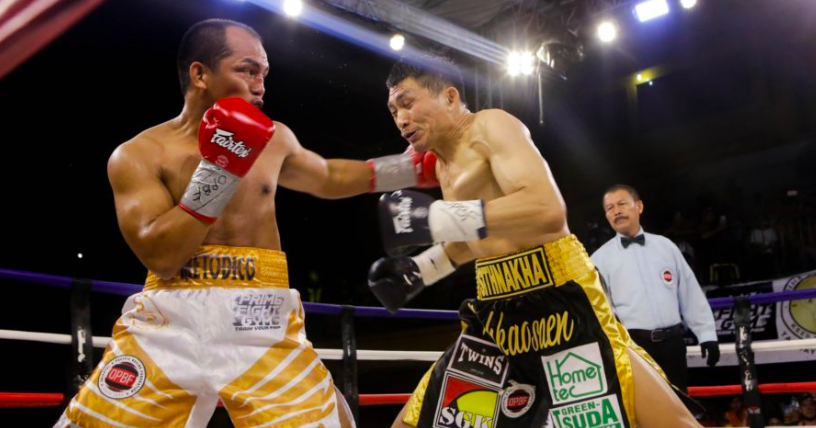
{"points": [[575, 374], [602, 412]]}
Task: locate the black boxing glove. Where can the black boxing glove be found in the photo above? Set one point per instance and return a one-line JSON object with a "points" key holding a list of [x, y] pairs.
{"points": [[411, 219], [712, 350], [397, 280]]}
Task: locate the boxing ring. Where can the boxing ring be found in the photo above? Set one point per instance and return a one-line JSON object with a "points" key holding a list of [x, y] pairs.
{"points": [[82, 343]]}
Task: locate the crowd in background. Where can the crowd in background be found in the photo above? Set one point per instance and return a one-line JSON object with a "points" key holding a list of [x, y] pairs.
{"points": [[786, 410]]}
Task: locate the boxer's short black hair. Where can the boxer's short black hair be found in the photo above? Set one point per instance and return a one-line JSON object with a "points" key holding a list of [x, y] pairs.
{"points": [[205, 42], [433, 71], [628, 188]]}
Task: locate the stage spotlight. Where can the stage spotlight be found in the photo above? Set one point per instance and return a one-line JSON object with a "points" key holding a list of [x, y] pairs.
{"points": [[397, 42], [292, 8], [688, 4], [520, 63], [651, 9], [607, 31]]}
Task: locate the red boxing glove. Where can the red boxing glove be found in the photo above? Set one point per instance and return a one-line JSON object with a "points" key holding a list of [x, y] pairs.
{"points": [[231, 136], [233, 133], [408, 169]]}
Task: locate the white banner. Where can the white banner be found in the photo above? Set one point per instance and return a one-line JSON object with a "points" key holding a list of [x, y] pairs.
{"points": [[789, 320], [796, 319]]}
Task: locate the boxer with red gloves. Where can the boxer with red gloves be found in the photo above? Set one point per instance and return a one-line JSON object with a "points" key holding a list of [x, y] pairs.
{"points": [[231, 136], [409, 169], [195, 201]]}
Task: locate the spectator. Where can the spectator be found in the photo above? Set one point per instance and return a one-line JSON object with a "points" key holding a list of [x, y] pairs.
{"points": [[807, 406], [737, 415]]}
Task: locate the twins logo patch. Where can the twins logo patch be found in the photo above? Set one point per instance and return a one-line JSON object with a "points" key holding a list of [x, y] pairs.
{"points": [[479, 359], [466, 404], [122, 377], [517, 399]]}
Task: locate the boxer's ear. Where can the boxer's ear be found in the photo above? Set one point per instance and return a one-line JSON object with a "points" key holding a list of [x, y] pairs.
{"points": [[451, 95], [199, 75]]}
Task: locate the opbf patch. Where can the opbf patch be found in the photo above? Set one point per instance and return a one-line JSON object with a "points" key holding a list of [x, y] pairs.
{"points": [[122, 377], [517, 399], [466, 404]]}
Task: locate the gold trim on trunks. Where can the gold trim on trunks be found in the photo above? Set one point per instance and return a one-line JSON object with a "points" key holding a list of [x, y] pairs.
{"points": [[225, 266], [552, 264]]}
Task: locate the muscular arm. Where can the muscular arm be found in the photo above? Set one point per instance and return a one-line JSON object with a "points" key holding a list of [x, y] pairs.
{"points": [[306, 171], [459, 253], [162, 235], [532, 204]]}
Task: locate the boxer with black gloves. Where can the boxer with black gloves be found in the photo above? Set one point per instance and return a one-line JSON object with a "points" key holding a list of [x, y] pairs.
{"points": [[540, 345]]}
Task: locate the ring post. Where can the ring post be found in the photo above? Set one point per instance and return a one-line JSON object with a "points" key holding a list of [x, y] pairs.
{"points": [[81, 336], [349, 360], [748, 373]]}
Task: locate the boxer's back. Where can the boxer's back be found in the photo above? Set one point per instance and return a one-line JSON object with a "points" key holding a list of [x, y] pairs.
{"points": [[249, 218]]}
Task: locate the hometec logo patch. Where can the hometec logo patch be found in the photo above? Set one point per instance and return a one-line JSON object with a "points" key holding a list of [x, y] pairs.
{"points": [[575, 373]]}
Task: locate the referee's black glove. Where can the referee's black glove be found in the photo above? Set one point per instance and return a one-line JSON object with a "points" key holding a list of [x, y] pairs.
{"points": [[713, 350]]}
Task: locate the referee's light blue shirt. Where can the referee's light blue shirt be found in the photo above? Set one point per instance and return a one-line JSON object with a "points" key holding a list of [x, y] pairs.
{"points": [[652, 286]]}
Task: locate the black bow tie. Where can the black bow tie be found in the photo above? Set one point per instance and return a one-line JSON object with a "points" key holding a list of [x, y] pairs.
{"points": [[640, 239]]}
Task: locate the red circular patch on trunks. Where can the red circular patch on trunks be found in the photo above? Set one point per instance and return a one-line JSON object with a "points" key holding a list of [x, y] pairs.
{"points": [[121, 376]]}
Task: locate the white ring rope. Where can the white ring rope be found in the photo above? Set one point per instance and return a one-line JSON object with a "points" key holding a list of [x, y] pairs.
{"points": [[365, 354]]}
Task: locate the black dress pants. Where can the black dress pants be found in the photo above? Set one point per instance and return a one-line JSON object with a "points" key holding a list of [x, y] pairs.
{"points": [[669, 353]]}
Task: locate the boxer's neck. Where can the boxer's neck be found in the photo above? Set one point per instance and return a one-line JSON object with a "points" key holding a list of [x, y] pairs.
{"points": [[190, 118], [451, 140]]}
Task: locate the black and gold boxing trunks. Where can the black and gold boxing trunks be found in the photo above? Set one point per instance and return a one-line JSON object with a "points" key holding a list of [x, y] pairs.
{"points": [[539, 342]]}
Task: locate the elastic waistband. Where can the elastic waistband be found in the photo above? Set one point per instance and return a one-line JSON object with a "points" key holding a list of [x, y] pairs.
{"points": [[552, 264], [223, 266]]}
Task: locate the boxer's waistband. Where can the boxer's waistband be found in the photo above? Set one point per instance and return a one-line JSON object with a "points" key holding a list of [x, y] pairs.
{"points": [[552, 264], [224, 266]]}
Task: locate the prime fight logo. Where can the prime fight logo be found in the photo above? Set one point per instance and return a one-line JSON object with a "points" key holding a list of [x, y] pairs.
{"points": [[257, 311]]}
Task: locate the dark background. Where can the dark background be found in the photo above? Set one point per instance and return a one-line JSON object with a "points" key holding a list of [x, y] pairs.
{"points": [[726, 130]]}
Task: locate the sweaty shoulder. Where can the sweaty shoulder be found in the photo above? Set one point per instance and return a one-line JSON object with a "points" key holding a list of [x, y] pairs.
{"points": [[141, 151], [284, 139], [494, 126]]}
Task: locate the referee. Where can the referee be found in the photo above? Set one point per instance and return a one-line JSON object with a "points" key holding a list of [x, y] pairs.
{"points": [[652, 288]]}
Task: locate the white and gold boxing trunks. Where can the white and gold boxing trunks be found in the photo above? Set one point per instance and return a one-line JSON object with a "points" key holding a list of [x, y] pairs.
{"points": [[226, 326]]}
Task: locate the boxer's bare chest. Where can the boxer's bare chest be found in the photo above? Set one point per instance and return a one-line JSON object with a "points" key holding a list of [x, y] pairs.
{"points": [[249, 218]]}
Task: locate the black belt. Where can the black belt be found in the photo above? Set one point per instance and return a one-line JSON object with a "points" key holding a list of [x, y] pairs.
{"points": [[660, 334]]}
